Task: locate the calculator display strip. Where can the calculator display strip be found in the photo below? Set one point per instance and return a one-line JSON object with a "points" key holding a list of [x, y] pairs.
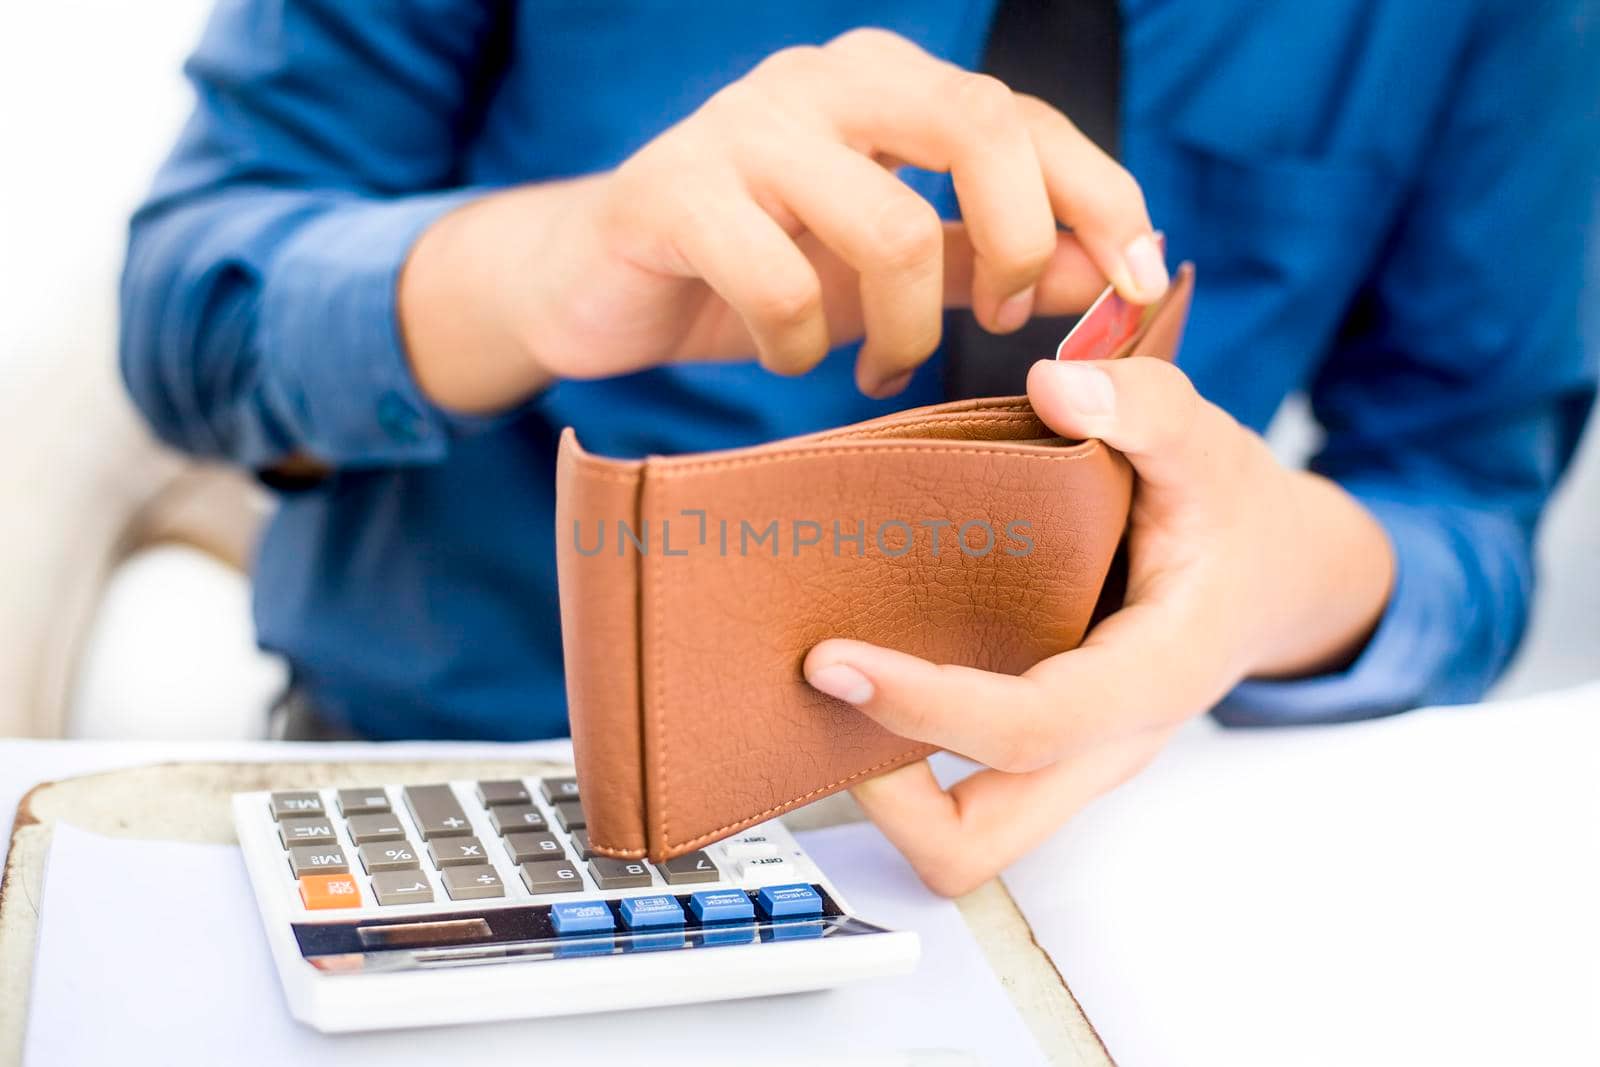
{"points": [[516, 924]]}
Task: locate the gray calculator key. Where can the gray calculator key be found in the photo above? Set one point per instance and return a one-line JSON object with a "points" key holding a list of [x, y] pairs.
{"points": [[515, 818], [619, 874], [372, 801], [388, 856], [436, 811], [289, 805], [303, 831], [536, 846], [580, 844], [401, 887], [551, 876], [456, 852], [569, 813], [556, 790], [318, 859], [472, 883], [694, 867], [364, 828], [504, 791]]}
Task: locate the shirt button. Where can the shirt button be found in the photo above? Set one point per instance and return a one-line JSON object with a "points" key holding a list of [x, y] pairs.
{"points": [[399, 418]]}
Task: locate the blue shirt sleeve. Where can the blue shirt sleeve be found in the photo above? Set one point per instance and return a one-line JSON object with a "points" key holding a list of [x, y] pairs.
{"points": [[258, 295], [1464, 375]]}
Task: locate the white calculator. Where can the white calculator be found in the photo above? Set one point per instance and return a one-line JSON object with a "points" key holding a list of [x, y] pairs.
{"points": [[417, 905]]}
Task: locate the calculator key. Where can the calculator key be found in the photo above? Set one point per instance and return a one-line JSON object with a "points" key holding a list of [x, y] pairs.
{"points": [[693, 867], [503, 791], [317, 859], [722, 906], [644, 912], [768, 870], [515, 817], [287, 805], [539, 846], [364, 828], [456, 852], [363, 802], [581, 917], [580, 844], [749, 848], [472, 883], [569, 813], [619, 874], [388, 856], [556, 790], [782, 901], [436, 812], [551, 876], [401, 887], [303, 831], [319, 891]]}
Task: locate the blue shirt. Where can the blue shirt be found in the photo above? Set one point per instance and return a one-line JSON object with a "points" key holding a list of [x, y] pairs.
{"points": [[1392, 207]]}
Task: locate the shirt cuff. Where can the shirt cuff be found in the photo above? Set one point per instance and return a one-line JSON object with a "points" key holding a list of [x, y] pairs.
{"points": [[1412, 647], [334, 364]]}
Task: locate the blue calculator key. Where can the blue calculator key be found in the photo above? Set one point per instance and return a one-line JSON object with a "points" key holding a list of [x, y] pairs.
{"points": [[780, 901], [728, 935], [721, 906], [796, 930], [581, 916], [652, 911]]}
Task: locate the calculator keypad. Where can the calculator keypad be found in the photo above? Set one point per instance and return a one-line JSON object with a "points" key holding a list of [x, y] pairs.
{"points": [[508, 840]]}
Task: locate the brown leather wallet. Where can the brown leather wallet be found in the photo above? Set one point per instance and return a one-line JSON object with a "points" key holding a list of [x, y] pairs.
{"points": [[693, 586]]}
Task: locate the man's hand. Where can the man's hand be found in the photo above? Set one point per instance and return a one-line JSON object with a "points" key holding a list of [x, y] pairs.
{"points": [[1237, 567], [771, 223]]}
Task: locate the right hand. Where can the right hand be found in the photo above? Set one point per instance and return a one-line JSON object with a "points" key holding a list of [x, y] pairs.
{"points": [[770, 223]]}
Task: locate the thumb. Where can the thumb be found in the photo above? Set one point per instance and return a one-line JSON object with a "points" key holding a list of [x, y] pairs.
{"points": [[1144, 408]]}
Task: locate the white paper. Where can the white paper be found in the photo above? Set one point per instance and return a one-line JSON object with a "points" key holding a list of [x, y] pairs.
{"points": [[153, 952], [1416, 890]]}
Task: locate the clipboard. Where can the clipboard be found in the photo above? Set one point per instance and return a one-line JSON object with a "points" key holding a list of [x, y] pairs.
{"points": [[188, 802]]}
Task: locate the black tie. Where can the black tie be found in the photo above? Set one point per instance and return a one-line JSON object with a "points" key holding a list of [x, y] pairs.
{"points": [[1069, 53]]}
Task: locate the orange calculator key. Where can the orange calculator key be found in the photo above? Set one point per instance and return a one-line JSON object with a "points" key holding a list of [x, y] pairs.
{"points": [[329, 891]]}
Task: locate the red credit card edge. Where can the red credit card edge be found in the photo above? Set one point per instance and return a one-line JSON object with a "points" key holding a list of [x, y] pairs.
{"points": [[1108, 324]]}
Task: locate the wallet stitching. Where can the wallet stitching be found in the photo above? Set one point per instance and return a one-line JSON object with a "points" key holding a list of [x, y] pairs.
{"points": [[677, 471], [983, 420]]}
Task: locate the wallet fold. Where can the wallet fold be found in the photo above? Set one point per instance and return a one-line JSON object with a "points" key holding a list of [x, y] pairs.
{"points": [[692, 588]]}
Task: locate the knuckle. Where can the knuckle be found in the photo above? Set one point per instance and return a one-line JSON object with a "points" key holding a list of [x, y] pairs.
{"points": [[1117, 192], [787, 64], [865, 39], [986, 103], [907, 233], [1185, 406]]}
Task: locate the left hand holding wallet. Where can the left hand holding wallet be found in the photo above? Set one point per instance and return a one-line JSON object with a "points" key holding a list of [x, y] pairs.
{"points": [[1237, 567]]}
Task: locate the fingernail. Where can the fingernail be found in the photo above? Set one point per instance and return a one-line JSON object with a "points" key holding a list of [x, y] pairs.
{"points": [[1014, 311], [893, 386], [1087, 389], [1147, 267], [843, 682]]}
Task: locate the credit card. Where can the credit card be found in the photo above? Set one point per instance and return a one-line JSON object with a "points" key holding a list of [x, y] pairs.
{"points": [[1109, 324]]}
